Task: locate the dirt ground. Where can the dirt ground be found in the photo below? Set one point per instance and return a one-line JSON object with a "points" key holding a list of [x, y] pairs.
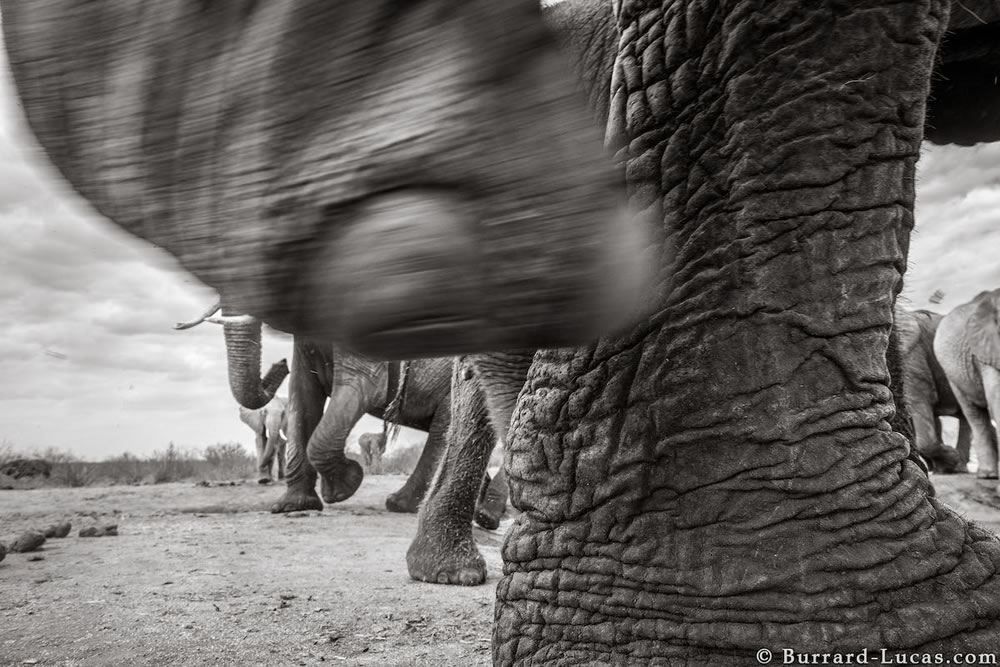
{"points": [[206, 576]]}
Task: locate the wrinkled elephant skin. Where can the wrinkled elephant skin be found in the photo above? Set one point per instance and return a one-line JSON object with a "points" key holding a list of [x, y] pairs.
{"points": [[484, 215], [721, 476]]}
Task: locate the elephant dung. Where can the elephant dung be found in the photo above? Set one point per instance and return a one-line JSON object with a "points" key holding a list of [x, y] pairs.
{"points": [[30, 540], [58, 529], [111, 530]]}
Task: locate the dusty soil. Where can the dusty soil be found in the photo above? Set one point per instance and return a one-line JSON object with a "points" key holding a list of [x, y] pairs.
{"points": [[205, 576]]}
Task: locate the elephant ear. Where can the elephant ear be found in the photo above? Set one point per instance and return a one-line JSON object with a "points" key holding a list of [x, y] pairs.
{"points": [[253, 418], [983, 334], [907, 330]]}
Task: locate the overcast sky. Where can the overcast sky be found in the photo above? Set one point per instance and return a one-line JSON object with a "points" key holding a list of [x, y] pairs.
{"points": [[89, 361]]}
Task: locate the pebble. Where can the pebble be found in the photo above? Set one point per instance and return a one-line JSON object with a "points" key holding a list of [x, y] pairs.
{"points": [[29, 540], [110, 530], [58, 529]]}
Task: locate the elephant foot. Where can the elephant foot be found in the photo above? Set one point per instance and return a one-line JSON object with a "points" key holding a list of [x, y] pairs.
{"points": [[338, 488], [944, 461], [404, 501], [297, 502], [489, 512], [435, 560]]}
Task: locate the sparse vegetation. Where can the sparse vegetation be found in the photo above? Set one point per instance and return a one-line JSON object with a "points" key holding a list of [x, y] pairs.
{"points": [[6, 451], [68, 470], [173, 465], [125, 469], [229, 460], [221, 461]]}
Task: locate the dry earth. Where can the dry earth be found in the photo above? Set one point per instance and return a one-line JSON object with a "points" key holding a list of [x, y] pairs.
{"points": [[205, 576]]}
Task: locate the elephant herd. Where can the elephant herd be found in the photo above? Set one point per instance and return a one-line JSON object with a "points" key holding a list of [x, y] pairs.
{"points": [[950, 369], [691, 252]]}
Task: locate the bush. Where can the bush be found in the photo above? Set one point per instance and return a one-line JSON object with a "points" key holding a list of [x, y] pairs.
{"points": [[7, 452], [68, 469], [173, 465], [229, 460], [125, 469]]}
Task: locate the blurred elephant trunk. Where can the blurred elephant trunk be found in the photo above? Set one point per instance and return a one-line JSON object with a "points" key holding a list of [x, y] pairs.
{"points": [[243, 353]]}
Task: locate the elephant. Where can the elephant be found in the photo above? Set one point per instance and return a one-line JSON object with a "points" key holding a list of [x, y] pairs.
{"points": [[372, 448], [704, 449], [268, 424], [928, 393], [967, 344], [415, 394]]}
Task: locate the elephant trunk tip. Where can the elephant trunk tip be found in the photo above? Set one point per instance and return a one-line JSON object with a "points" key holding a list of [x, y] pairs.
{"points": [[274, 377]]}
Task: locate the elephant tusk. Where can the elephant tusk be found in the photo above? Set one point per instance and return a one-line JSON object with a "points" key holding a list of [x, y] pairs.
{"points": [[195, 322], [242, 320], [210, 316]]}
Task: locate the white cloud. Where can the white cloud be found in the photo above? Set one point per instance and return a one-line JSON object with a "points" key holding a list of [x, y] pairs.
{"points": [[88, 356], [957, 226]]}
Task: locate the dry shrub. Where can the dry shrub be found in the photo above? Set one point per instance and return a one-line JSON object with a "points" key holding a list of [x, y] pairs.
{"points": [[7, 452], [68, 469], [173, 465], [125, 469], [230, 460]]}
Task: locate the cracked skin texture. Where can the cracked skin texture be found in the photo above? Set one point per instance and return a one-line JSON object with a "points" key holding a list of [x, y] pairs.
{"points": [[720, 477], [723, 477]]}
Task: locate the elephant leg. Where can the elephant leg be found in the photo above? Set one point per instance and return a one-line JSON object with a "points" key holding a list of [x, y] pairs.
{"points": [[927, 437], [408, 498], [492, 503], [501, 376], [444, 550], [983, 435], [263, 459], [991, 387], [280, 455], [305, 408], [963, 444]]}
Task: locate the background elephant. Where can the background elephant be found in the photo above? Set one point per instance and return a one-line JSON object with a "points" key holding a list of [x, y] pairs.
{"points": [[928, 394], [420, 394], [415, 394], [372, 448], [720, 474], [268, 424], [967, 344]]}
